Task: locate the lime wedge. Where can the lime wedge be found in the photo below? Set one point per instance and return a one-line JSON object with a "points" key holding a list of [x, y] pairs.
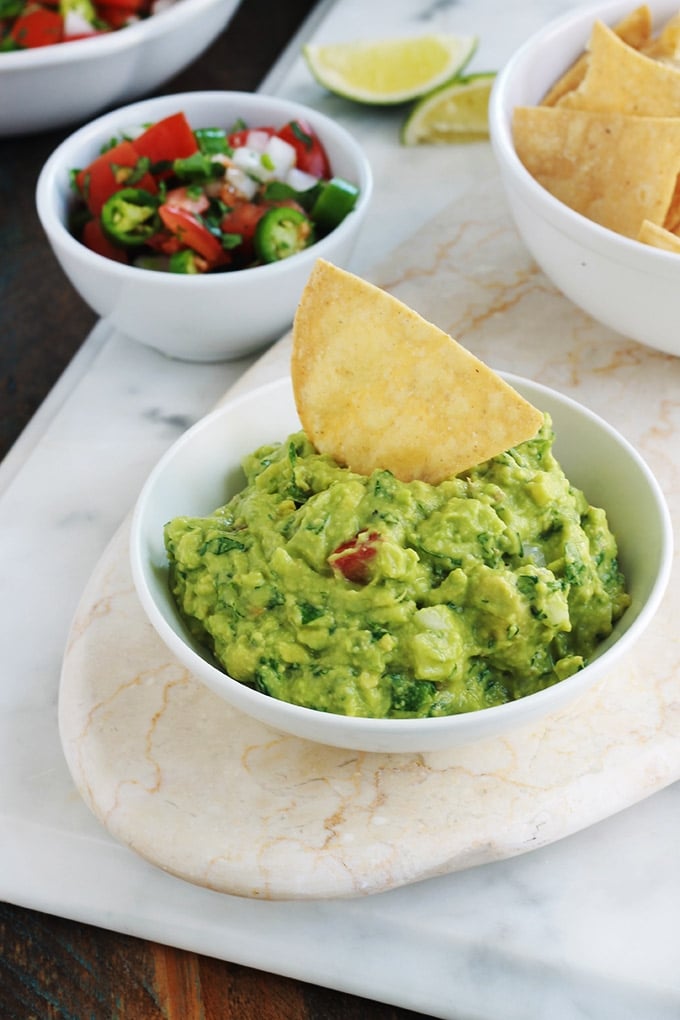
{"points": [[457, 112], [390, 70]]}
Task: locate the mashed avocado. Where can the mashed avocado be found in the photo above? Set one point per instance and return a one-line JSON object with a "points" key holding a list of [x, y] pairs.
{"points": [[368, 596]]}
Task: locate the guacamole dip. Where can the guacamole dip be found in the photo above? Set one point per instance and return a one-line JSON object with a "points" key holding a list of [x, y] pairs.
{"points": [[367, 596]]}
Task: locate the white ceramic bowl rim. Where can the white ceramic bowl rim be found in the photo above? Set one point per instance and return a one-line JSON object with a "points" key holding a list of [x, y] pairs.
{"points": [[617, 247], [366, 728], [126, 117], [108, 43]]}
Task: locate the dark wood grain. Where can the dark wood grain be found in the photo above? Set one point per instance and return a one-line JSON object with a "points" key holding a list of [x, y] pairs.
{"points": [[52, 968], [55, 969]]}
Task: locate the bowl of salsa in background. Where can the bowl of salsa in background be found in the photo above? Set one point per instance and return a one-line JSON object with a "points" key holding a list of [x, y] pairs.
{"points": [[65, 83], [209, 316]]}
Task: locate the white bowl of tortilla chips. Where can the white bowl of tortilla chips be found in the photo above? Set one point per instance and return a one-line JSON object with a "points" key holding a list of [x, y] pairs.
{"points": [[585, 126], [448, 412]]}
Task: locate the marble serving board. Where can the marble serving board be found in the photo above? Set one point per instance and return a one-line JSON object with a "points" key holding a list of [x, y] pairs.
{"points": [[221, 800]]}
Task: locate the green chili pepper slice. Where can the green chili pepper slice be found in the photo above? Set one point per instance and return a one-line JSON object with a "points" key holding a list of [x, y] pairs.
{"points": [[282, 231], [197, 168], [130, 217], [212, 140], [279, 191], [336, 199], [184, 262]]}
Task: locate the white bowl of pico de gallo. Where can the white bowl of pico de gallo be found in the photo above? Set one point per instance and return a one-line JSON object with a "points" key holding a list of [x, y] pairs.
{"points": [[63, 62], [192, 221]]}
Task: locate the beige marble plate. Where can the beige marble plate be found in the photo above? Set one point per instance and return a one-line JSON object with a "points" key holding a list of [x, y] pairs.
{"points": [[222, 801]]}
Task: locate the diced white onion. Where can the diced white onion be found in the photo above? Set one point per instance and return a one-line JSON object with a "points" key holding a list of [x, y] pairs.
{"points": [[241, 181], [76, 24], [534, 553], [257, 140], [282, 156], [258, 164], [300, 180], [434, 617], [247, 159]]}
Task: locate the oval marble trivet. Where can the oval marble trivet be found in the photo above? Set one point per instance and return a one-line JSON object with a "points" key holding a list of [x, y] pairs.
{"points": [[216, 798]]}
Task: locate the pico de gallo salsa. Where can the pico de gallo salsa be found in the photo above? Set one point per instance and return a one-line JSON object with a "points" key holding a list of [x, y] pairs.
{"points": [[28, 24], [182, 200]]}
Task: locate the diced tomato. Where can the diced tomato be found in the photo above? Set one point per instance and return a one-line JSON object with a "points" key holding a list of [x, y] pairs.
{"points": [[310, 153], [353, 558], [165, 242], [140, 7], [167, 139], [238, 138], [193, 234], [39, 26], [94, 238], [242, 220], [187, 198], [110, 172], [115, 17]]}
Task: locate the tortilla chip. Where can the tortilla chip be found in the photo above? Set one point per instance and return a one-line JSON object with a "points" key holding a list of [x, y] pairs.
{"points": [[635, 30], [616, 170], [619, 79], [378, 387], [570, 80], [665, 45], [659, 237], [672, 219]]}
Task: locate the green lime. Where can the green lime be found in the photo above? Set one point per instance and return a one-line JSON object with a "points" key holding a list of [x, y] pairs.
{"points": [[456, 112], [390, 70]]}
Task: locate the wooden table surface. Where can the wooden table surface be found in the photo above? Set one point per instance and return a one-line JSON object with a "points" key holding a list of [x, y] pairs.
{"points": [[52, 968]]}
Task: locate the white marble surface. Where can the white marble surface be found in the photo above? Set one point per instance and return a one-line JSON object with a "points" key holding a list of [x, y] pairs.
{"points": [[225, 802], [583, 928]]}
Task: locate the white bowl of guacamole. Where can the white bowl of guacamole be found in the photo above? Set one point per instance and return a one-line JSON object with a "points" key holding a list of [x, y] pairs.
{"points": [[367, 613]]}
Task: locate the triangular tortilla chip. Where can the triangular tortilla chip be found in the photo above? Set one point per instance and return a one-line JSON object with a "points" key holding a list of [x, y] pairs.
{"points": [[635, 30], [622, 80], [377, 386], [666, 45], [659, 237], [615, 169]]}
